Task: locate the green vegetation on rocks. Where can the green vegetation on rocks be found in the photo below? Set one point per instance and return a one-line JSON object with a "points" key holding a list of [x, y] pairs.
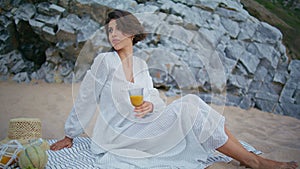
{"points": [[283, 14]]}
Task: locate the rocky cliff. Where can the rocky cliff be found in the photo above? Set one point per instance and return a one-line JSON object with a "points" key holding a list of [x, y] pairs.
{"points": [[213, 48]]}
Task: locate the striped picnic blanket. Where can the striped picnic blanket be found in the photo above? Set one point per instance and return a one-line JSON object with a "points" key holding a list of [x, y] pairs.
{"points": [[81, 157]]}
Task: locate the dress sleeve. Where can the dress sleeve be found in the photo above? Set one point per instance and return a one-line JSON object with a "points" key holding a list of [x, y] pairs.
{"points": [[152, 94], [88, 98]]}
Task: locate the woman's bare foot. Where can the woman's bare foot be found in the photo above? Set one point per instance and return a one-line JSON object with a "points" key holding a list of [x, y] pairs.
{"points": [[278, 165], [64, 143], [234, 149], [263, 163]]}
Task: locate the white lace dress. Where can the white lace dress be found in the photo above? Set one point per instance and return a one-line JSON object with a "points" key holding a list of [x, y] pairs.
{"points": [[180, 135]]}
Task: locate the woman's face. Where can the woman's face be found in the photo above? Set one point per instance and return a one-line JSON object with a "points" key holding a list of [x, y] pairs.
{"points": [[117, 38]]}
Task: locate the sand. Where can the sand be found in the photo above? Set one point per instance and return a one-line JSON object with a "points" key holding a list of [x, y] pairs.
{"points": [[278, 137]]}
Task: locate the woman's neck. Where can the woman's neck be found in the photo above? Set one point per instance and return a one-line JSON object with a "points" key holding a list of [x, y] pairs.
{"points": [[123, 54]]}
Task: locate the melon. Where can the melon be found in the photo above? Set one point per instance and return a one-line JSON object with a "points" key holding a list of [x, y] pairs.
{"points": [[33, 157]]}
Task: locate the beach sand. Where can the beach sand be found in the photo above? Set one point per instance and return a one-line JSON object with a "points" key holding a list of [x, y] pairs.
{"points": [[278, 137]]}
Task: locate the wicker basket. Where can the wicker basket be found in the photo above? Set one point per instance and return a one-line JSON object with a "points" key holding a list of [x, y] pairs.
{"points": [[22, 132], [24, 128]]}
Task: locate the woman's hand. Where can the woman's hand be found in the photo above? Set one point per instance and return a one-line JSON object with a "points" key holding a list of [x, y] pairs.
{"points": [[64, 143], [143, 109]]}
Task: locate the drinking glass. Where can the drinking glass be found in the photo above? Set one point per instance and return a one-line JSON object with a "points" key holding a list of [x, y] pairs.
{"points": [[136, 96]]}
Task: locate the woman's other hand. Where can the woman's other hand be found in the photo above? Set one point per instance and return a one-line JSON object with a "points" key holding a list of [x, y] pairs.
{"points": [[63, 143], [143, 109]]}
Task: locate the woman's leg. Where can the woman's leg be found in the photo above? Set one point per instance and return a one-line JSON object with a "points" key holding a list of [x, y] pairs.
{"points": [[234, 149]]}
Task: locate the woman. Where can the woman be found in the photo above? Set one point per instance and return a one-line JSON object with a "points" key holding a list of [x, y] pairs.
{"points": [[152, 135]]}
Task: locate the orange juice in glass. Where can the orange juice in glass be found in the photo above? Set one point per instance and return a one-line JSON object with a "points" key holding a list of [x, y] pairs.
{"points": [[136, 96]]}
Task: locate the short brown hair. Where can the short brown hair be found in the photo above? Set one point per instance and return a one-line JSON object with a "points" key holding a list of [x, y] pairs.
{"points": [[127, 23]]}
